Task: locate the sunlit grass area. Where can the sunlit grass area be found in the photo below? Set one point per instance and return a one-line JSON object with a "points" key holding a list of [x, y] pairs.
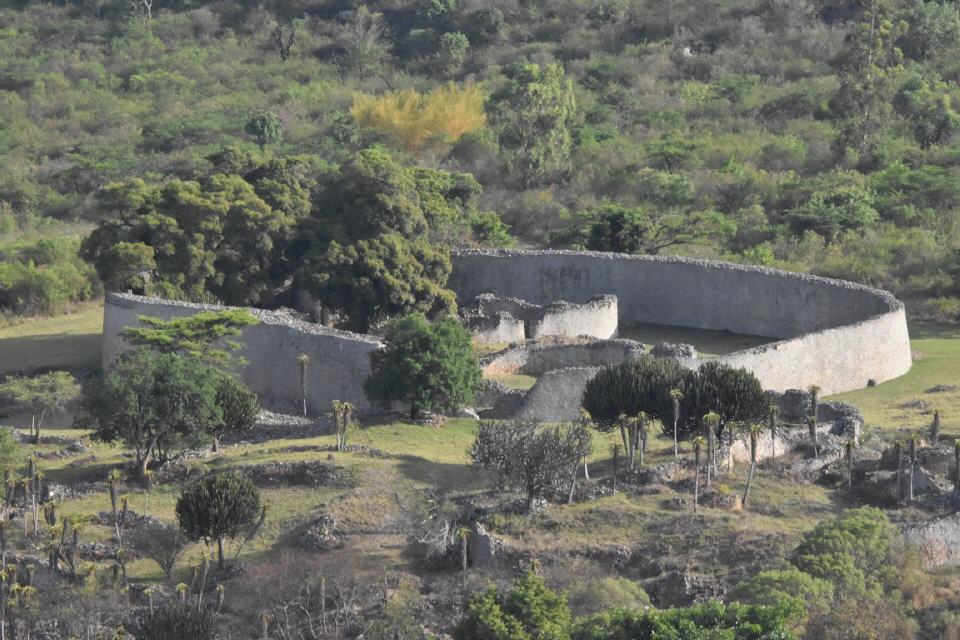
{"points": [[909, 401]]}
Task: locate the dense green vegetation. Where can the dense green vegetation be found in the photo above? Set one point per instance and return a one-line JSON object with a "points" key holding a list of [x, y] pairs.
{"points": [[811, 135]]}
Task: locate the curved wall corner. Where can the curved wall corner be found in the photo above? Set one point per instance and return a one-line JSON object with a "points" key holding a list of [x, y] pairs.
{"points": [[339, 360], [835, 334]]}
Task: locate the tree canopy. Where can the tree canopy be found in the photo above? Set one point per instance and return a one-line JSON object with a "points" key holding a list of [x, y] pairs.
{"points": [[432, 367]]}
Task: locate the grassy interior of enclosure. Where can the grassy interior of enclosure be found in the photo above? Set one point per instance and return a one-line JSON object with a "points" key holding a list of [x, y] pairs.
{"points": [[708, 342]]}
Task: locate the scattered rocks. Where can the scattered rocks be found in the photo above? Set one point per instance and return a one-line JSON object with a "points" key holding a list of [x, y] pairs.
{"points": [[302, 473], [943, 388], [725, 501], [322, 535], [133, 519], [914, 404], [678, 351]]}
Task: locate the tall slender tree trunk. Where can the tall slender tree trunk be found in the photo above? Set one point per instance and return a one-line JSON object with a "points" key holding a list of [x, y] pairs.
{"points": [[220, 552], [753, 465], [849, 455], [812, 427], [899, 453], [696, 478], [913, 466], [709, 455]]}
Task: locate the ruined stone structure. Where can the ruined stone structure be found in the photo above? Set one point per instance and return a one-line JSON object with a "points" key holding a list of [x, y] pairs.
{"points": [[518, 319], [834, 334], [837, 335]]}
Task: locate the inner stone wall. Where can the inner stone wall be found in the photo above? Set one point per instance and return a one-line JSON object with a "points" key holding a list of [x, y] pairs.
{"points": [[835, 334], [339, 360]]}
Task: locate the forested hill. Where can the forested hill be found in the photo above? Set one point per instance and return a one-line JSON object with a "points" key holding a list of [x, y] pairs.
{"points": [[816, 136]]}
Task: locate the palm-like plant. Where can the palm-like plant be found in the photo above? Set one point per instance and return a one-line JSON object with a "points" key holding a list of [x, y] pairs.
{"points": [[756, 430], [772, 425], [676, 395], [697, 453], [641, 434], [342, 417], [914, 439], [814, 391], [463, 535], [710, 421], [848, 453], [956, 466], [898, 449], [304, 361], [812, 427], [615, 451]]}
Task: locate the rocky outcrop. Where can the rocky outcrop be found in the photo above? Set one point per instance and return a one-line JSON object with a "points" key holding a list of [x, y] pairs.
{"points": [[483, 548], [937, 540]]}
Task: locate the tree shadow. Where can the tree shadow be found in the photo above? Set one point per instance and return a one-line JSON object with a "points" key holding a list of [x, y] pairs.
{"points": [[31, 354], [921, 330]]}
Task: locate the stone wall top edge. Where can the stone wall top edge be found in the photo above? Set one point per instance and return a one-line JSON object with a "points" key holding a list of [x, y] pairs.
{"points": [[885, 296], [264, 315], [768, 346]]}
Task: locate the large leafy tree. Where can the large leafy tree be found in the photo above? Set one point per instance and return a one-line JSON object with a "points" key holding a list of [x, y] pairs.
{"points": [[155, 403], [365, 252], [640, 229], [640, 385], [868, 66], [205, 335], [218, 506], [734, 395], [214, 238], [536, 111], [432, 367]]}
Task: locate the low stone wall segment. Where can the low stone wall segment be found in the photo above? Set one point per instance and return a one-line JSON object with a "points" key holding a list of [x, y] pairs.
{"points": [[339, 360]]}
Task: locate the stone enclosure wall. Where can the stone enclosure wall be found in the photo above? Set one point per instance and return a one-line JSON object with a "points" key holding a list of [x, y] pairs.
{"points": [[834, 334], [339, 360]]}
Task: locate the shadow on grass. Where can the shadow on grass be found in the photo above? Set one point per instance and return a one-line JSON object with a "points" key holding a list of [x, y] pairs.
{"points": [[35, 353], [933, 330], [457, 476]]}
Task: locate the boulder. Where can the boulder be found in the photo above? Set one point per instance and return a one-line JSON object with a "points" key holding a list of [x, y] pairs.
{"points": [[678, 351], [794, 405], [483, 548], [321, 534], [847, 421], [938, 541]]}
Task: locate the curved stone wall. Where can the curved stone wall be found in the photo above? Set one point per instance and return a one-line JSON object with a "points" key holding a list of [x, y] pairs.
{"points": [[837, 335], [339, 360]]}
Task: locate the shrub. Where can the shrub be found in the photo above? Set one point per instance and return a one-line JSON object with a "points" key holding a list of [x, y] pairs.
{"points": [[178, 621], [430, 366], [218, 506], [608, 593], [526, 456]]}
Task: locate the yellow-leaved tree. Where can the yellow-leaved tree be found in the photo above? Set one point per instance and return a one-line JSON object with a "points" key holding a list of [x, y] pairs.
{"points": [[414, 120]]}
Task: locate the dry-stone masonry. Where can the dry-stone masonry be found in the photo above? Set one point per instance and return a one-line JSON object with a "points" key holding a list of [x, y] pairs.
{"points": [[830, 333], [339, 360], [834, 334]]}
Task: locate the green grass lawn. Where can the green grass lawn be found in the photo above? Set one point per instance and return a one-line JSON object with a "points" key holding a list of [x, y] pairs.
{"points": [[69, 341], [906, 401]]}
